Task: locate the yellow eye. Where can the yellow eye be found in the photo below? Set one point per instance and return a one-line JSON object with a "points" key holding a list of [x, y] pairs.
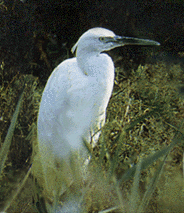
{"points": [[102, 39]]}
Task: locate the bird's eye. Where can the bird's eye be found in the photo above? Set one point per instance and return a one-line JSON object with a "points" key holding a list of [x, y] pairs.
{"points": [[102, 39]]}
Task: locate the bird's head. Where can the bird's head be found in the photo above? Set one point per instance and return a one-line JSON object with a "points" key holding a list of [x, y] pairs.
{"points": [[100, 39]]}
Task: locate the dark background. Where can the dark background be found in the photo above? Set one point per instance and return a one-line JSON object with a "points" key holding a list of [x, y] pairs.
{"points": [[36, 35]]}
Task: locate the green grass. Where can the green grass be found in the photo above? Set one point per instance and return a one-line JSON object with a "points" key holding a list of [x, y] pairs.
{"points": [[137, 164]]}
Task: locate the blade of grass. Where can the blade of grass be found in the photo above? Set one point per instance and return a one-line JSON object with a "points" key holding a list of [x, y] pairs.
{"points": [[87, 146], [6, 145], [141, 118], [151, 187], [134, 196], [17, 191], [119, 194], [103, 150], [109, 210]]}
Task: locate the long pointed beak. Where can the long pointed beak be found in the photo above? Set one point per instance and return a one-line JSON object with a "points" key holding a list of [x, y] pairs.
{"points": [[122, 40]]}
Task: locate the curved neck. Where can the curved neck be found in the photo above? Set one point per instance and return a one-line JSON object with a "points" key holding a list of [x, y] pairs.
{"points": [[88, 61]]}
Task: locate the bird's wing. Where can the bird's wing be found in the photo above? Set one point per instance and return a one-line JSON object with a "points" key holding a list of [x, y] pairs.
{"points": [[63, 106]]}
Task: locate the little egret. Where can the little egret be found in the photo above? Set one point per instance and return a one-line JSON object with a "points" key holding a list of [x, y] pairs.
{"points": [[75, 98]]}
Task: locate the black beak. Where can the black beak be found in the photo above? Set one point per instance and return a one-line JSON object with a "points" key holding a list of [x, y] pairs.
{"points": [[122, 40]]}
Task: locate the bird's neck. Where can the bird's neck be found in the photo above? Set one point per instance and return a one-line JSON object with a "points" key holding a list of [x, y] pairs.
{"points": [[86, 61], [94, 63]]}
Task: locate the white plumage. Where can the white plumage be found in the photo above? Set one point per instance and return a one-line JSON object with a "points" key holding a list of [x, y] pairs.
{"points": [[75, 99]]}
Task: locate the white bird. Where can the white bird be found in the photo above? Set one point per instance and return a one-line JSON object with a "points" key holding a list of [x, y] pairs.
{"points": [[75, 98]]}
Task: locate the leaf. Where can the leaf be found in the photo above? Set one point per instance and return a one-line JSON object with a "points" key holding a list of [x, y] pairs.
{"points": [[6, 145]]}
